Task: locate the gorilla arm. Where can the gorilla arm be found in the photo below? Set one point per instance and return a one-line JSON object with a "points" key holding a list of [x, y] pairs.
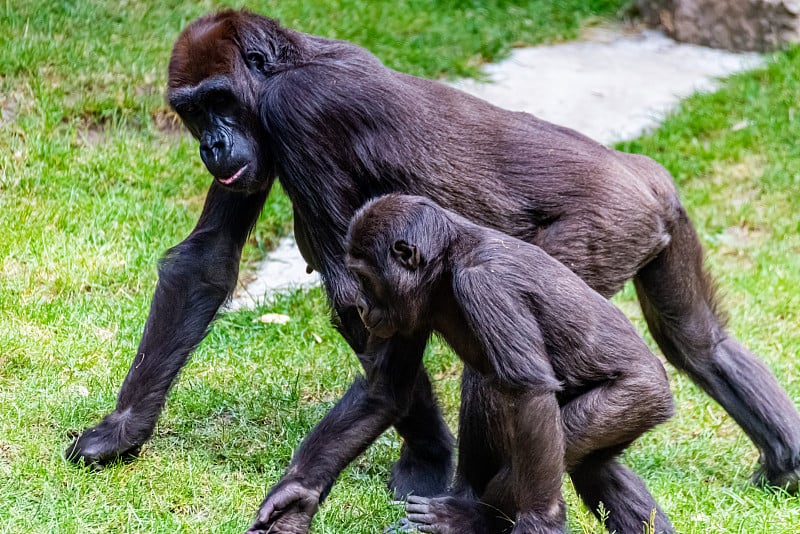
{"points": [[195, 278], [365, 411]]}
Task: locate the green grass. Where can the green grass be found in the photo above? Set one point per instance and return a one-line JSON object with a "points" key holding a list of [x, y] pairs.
{"points": [[93, 189]]}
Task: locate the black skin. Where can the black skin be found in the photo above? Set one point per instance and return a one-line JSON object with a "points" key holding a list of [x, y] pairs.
{"points": [[337, 128], [555, 376]]}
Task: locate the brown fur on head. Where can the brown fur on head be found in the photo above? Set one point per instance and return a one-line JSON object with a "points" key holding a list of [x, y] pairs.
{"points": [[218, 44]]}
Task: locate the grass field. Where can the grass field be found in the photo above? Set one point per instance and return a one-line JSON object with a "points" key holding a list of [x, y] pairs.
{"points": [[95, 183]]}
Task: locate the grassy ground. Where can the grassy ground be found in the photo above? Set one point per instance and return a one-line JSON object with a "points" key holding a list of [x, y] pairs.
{"points": [[95, 184]]}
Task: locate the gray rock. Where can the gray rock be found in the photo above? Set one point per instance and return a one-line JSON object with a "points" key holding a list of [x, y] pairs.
{"points": [[760, 25]]}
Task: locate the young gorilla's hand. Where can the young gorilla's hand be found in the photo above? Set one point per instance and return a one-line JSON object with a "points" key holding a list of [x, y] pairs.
{"points": [[288, 509]]}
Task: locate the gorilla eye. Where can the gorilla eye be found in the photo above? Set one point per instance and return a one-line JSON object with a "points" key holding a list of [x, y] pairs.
{"points": [[186, 109], [363, 281], [255, 59], [220, 100]]}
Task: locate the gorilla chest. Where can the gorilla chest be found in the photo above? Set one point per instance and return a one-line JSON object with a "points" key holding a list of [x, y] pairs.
{"points": [[466, 345]]}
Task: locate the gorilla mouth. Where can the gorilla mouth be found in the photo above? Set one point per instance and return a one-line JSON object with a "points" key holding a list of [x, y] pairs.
{"points": [[234, 177]]}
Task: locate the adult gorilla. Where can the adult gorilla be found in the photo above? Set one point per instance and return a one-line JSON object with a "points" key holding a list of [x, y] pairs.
{"points": [[338, 128]]}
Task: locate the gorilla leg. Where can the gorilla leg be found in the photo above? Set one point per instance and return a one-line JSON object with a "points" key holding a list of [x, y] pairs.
{"points": [[365, 411], [677, 299], [616, 412], [600, 424], [600, 478], [425, 466]]}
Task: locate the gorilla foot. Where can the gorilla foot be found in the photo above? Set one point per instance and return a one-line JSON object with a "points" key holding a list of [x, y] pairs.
{"points": [[445, 515], [788, 480], [420, 476], [110, 441], [288, 509]]}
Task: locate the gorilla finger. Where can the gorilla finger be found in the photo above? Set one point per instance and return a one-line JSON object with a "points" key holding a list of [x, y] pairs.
{"points": [[417, 499], [264, 513], [422, 508], [421, 520]]}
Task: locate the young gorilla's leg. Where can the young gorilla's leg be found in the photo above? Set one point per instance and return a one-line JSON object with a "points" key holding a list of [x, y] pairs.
{"points": [[425, 466], [617, 411], [677, 299], [479, 460], [599, 478], [599, 425]]}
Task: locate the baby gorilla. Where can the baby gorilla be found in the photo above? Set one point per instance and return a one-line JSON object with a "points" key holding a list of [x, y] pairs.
{"points": [[556, 378]]}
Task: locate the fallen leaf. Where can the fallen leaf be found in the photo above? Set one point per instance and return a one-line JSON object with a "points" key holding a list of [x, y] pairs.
{"points": [[274, 318], [741, 125]]}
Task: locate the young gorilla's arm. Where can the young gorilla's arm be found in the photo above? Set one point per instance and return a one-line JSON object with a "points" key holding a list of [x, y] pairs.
{"points": [[507, 330], [512, 341]]}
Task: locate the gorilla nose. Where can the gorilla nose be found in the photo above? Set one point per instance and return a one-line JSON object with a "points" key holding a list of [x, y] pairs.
{"points": [[211, 151], [214, 153]]}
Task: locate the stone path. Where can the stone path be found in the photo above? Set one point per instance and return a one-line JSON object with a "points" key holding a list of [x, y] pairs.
{"points": [[611, 86]]}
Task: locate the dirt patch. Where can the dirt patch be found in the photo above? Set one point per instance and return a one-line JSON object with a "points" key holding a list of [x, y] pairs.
{"points": [[737, 178], [743, 236], [8, 454], [92, 133], [14, 102], [9, 109], [168, 122]]}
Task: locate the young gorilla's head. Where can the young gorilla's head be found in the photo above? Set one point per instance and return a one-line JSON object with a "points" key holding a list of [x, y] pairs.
{"points": [[396, 247]]}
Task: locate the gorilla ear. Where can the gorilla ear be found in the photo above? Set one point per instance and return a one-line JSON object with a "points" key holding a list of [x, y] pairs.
{"points": [[255, 60], [407, 255]]}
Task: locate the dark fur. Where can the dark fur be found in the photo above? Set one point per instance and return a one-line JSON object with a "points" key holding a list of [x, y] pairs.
{"points": [[338, 128], [555, 375]]}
